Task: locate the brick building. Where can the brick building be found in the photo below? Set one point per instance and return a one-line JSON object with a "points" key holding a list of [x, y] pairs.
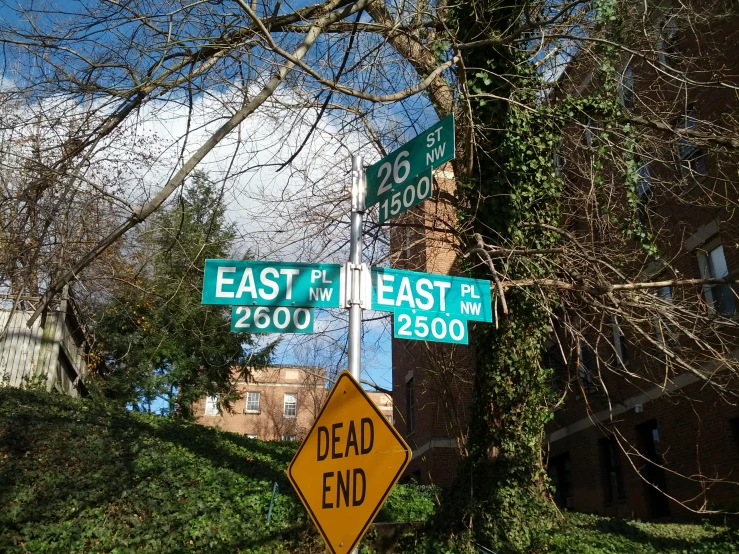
{"points": [[384, 402], [662, 443], [278, 403], [432, 382], [667, 445]]}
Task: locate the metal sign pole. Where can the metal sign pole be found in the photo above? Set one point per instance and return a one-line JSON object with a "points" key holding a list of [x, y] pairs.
{"points": [[355, 265], [359, 191]]}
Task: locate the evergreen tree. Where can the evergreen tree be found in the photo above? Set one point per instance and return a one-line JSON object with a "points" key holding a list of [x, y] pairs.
{"points": [[156, 339]]}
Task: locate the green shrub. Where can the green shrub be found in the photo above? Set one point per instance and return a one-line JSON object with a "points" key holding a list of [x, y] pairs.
{"points": [[83, 476], [409, 502]]}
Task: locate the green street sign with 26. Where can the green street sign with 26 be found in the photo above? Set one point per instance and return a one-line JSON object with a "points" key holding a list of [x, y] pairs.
{"points": [[431, 148]]}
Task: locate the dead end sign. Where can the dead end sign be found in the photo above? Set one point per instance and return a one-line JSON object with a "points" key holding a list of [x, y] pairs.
{"points": [[347, 465]]}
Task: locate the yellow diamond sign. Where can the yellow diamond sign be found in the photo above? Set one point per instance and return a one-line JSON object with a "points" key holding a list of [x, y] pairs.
{"points": [[347, 465]]}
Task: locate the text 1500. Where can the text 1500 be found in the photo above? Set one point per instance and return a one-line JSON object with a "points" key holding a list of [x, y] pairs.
{"points": [[413, 194]]}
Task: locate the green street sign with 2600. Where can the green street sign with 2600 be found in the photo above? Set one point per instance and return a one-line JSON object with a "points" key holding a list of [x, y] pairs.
{"points": [[271, 319], [257, 283]]}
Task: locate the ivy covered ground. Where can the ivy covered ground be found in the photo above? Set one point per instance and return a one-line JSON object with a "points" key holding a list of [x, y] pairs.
{"points": [[81, 476]]}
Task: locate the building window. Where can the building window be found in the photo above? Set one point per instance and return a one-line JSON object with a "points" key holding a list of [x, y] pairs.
{"points": [[667, 41], [559, 163], [559, 377], [644, 194], [613, 483], [211, 405], [734, 423], [408, 243], [252, 436], [712, 263], [693, 159], [291, 404], [253, 400], [619, 342], [289, 438], [626, 88], [663, 329], [410, 405], [586, 366], [589, 132], [560, 476]]}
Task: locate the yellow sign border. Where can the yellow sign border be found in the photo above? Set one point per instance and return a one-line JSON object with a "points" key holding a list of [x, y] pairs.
{"points": [[346, 375]]}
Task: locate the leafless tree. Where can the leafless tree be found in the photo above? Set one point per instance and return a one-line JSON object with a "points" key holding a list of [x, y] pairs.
{"points": [[293, 92]]}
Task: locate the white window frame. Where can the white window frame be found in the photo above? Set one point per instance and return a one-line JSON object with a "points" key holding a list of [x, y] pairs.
{"points": [[289, 438], [693, 159], [663, 330], [644, 193], [285, 404], [589, 132], [627, 84], [585, 373], [708, 271], [211, 406], [256, 410], [249, 436], [618, 342], [559, 163], [667, 32]]}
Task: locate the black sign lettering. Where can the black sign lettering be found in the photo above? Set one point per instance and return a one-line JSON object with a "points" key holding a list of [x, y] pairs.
{"points": [[358, 501], [367, 445], [342, 487], [325, 505], [351, 440], [322, 431], [335, 439]]}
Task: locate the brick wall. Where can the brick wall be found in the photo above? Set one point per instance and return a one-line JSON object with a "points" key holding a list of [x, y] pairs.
{"points": [[270, 422], [441, 374]]}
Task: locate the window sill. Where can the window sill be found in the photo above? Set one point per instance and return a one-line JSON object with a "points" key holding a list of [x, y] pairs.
{"points": [[289, 416], [257, 412]]}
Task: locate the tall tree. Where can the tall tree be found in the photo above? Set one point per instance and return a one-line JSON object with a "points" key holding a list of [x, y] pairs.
{"points": [[568, 251], [156, 339]]}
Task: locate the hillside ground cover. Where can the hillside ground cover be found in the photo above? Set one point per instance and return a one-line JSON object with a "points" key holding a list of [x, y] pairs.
{"points": [[86, 476]]}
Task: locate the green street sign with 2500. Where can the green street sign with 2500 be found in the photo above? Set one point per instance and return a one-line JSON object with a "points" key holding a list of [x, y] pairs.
{"points": [[430, 294]]}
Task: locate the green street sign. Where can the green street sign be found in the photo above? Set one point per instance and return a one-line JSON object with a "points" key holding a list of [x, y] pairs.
{"points": [[431, 294], [438, 327], [252, 283], [415, 191], [271, 319], [431, 148]]}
